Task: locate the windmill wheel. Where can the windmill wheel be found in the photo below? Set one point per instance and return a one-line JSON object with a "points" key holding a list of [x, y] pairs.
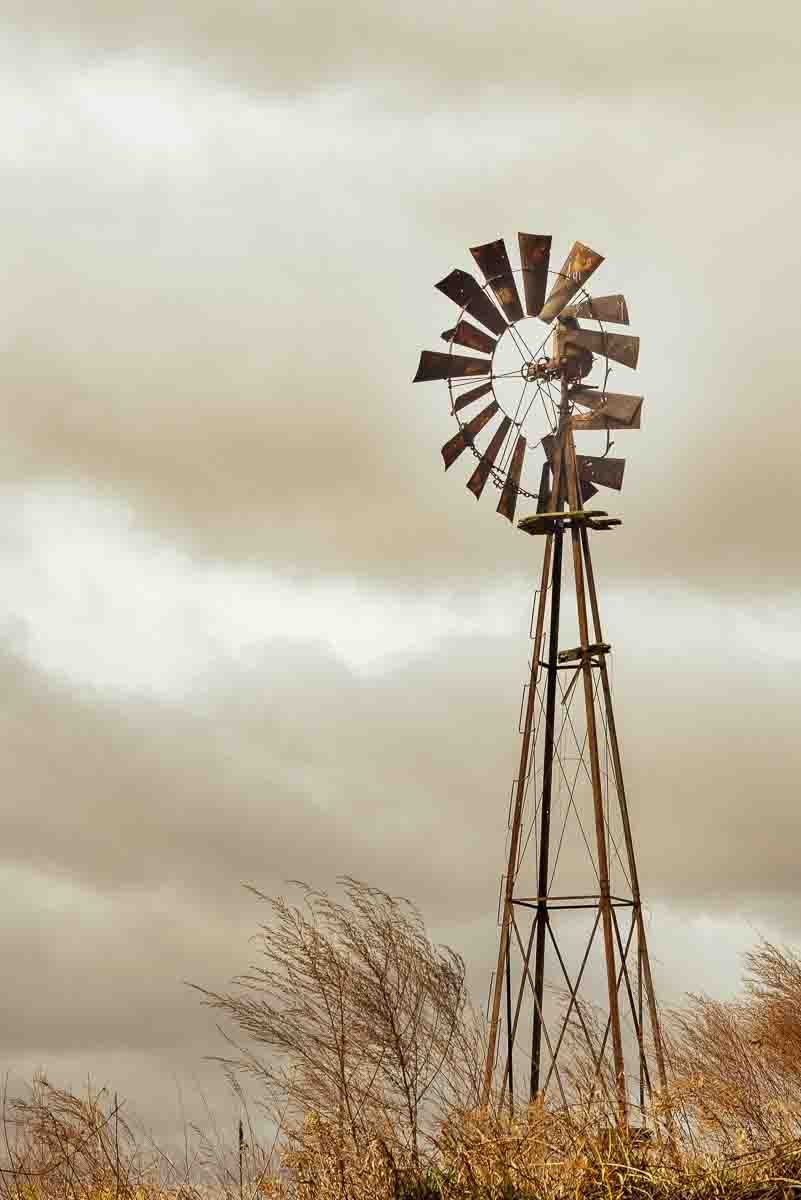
{"points": [[531, 375]]}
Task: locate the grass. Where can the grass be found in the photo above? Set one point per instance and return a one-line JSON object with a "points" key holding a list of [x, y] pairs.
{"points": [[347, 1131], [70, 1147]]}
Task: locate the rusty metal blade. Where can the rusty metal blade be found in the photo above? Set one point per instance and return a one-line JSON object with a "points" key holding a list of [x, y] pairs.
{"points": [[622, 347], [465, 334], [608, 472], [576, 270], [535, 255], [508, 501], [601, 420], [454, 447], [470, 396], [467, 292], [493, 261], [434, 365], [611, 410], [487, 461], [549, 446], [544, 494], [596, 398], [601, 308]]}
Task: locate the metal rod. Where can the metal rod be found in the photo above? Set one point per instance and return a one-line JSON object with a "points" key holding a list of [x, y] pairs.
{"points": [[519, 1002], [545, 814], [542, 1020], [509, 1039], [514, 842], [597, 790], [574, 1002], [624, 815]]}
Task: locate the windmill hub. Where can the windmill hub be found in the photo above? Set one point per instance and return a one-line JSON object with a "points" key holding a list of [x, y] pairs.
{"points": [[567, 367]]}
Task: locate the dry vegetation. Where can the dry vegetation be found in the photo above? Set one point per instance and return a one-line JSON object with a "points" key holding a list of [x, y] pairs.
{"points": [[366, 1053]]}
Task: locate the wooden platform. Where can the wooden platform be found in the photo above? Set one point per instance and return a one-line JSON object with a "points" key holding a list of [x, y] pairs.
{"points": [[544, 523]]}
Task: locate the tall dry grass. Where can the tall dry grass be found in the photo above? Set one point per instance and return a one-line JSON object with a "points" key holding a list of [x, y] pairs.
{"points": [[362, 1035]]}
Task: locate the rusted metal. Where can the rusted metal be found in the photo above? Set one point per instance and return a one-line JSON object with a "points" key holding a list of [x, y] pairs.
{"points": [[465, 334], [493, 262], [535, 254], [597, 788], [621, 412], [509, 1034], [545, 818], [573, 992], [464, 398], [601, 308], [621, 408], [644, 957], [578, 652], [468, 293], [508, 501], [460, 441], [621, 347], [514, 840], [435, 365], [566, 487], [487, 461], [579, 265], [549, 445], [549, 522], [545, 488], [608, 472]]}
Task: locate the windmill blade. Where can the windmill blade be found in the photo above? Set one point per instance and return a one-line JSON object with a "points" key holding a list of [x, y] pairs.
{"points": [[608, 472], [535, 255], [612, 411], [466, 291], [544, 493], [601, 420], [487, 461], [494, 264], [434, 365], [601, 308], [508, 501], [622, 347], [465, 334], [454, 447], [587, 489], [470, 396], [576, 270], [617, 403]]}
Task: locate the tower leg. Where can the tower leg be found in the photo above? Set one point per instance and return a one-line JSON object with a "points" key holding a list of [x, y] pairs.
{"points": [[645, 962], [503, 969], [545, 817], [597, 791]]}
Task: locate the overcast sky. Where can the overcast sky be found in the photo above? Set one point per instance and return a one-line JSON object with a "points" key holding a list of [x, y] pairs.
{"points": [[251, 630]]}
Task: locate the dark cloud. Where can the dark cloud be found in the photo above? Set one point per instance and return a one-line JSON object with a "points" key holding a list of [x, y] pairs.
{"points": [[220, 230], [147, 818], [232, 351], [451, 52]]}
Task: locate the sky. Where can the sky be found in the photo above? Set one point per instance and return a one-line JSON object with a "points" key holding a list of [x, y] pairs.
{"points": [[251, 631]]}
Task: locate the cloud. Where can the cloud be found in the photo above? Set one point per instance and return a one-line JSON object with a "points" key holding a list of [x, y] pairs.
{"points": [[449, 53], [221, 228], [230, 349]]}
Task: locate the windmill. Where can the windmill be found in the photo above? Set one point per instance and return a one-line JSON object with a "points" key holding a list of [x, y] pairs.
{"points": [[537, 375]]}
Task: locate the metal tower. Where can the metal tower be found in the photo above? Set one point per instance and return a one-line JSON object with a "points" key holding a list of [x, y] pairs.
{"points": [[570, 911]]}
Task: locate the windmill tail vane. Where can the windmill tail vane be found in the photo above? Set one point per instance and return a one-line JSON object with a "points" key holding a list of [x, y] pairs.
{"points": [[571, 925]]}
